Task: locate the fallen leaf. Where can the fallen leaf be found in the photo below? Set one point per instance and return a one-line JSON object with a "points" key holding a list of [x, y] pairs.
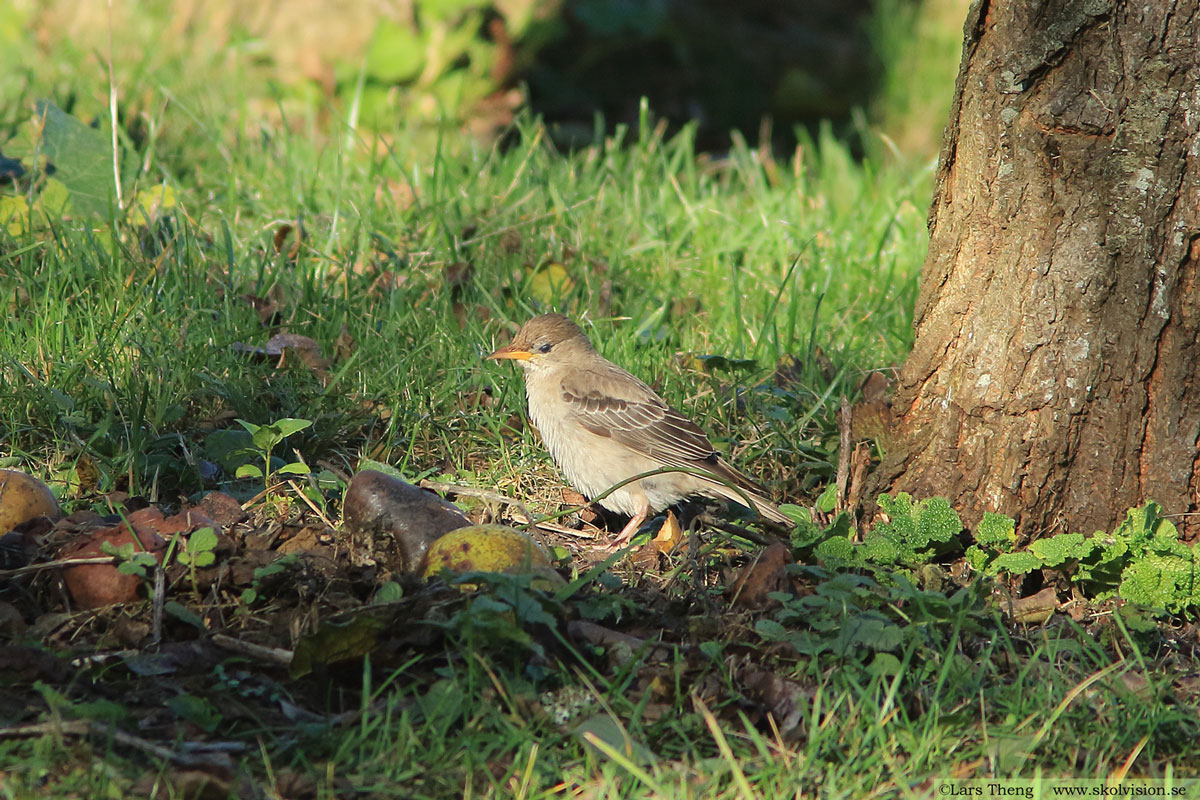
{"points": [[765, 574], [669, 535], [1034, 609], [549, 283]]}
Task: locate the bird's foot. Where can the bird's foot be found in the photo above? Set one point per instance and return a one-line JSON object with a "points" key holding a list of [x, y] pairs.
{"points": [[626, 535]]}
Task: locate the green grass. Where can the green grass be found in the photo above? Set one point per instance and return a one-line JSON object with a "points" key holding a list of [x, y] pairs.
{"points": [[118, 361], [667, 255]]}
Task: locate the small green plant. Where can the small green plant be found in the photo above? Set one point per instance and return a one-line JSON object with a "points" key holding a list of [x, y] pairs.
{"points": [[277, 566], [129, 559], [913, 534], [1142, 562], [265, 439], [854, 617], [197, 551]]}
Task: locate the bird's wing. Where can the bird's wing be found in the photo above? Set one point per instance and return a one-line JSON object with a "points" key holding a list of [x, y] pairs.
{"points": [[614, 404], [610, 402]]}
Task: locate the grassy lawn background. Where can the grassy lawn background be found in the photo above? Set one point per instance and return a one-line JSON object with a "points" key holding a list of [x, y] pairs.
{"points": [[754, 289]]}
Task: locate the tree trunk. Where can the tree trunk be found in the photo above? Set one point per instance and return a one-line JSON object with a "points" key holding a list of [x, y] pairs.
{"points": [[1055, 375]]}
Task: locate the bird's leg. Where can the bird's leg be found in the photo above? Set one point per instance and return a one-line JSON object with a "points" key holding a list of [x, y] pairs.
{"points": [[628, 532]]}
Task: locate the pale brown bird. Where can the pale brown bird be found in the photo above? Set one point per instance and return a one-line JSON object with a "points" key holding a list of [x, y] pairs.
{"points": [[602, 425]]}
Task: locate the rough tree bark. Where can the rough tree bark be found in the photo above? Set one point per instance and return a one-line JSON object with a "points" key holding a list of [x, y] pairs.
{"points": [[1055, 375]]}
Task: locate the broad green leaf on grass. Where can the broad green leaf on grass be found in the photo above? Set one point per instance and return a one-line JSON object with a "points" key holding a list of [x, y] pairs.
{"points": [[288, 425], [200, 546], [443, 703], [604, 729], [396, 53], [230, 449], [869, 629], [82, 158], [55, 198], [798, 514], [265, 437], [879, 550], [549, 283], [104, 710], [14, 214], [884, 664], [386, 469], [835, 551], [151, 202]]}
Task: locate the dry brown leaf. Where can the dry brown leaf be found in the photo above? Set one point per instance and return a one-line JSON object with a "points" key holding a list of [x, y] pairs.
{"points": [[1034, 609], [766, 574]]}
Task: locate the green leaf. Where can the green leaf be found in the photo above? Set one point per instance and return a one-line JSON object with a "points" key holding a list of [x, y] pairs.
{"points": [[388, 592], [771, 630], [835, 551], [287, 426], [230, 448], [918, 531], [1063, 547], [203, 540], [124, 552], [248, 471], [884, 665], [105, 710], [82, 158], [294, 468], [879, 550], [828, 499], [996, 531], [1015, 563], [396, 53], [196, 710], [14, 214], [184, 614], [869, 629], [336, 640], [55, 199]]}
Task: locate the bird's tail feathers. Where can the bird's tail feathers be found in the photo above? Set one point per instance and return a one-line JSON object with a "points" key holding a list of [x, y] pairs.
{"points": [[765, 508]]}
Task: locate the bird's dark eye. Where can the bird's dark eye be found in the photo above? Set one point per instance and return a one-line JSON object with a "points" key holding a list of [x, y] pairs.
{"points": [[544, 347]]}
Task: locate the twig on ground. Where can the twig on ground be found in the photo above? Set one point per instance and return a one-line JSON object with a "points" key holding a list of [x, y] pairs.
{"points": [[272, 655], [62, 562], [843, 466], [311, 504], [208, 754]]}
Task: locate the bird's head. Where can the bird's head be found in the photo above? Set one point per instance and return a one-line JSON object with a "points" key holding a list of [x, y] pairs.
{"points": [[545, 341]]}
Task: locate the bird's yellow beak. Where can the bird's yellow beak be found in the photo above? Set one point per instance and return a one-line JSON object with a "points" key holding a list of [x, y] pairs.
{"points": [[514, 353]]}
